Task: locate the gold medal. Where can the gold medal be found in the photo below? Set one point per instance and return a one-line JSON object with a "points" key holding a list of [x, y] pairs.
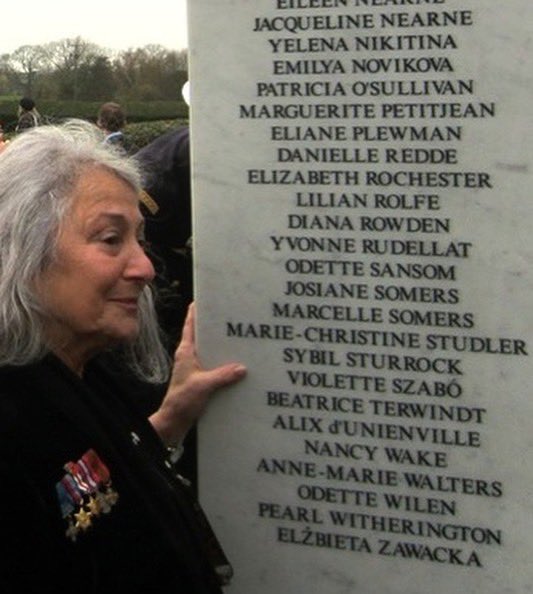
{"points": [[83, 519], [94, 506], [71, 532]]}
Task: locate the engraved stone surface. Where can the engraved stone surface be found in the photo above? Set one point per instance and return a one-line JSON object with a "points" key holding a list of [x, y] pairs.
{"points": [[362, 241]]}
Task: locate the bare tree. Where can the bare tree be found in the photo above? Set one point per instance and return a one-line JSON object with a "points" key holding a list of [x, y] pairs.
{"points": [[76, 69], [151, 72], [68, 57], [25, 64]]}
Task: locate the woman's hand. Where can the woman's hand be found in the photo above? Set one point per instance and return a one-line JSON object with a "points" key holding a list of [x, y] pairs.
{"points": [[190, 387]]}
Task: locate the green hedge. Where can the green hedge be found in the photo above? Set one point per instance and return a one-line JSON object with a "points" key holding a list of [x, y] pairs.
{"points": [[141, 133], [136, 111]]}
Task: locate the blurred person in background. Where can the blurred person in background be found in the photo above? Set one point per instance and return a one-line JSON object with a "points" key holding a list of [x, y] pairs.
{"points": [[166, 206], [111, 119], [28, 116]]}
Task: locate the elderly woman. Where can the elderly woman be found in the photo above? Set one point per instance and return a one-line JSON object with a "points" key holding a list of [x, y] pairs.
{"points": [[89, 500]]}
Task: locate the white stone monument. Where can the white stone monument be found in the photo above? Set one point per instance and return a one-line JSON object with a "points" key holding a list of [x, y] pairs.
{"points": [[362, 239]]}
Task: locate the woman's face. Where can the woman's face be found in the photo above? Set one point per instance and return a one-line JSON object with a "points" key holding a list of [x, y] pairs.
{"points": [[91, 290]]}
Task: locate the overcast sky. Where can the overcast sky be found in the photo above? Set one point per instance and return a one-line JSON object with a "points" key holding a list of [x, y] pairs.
{"points": [[114, 24]]}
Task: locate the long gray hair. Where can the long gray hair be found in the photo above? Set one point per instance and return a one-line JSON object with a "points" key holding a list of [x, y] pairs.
{"points": [[38, 171]]}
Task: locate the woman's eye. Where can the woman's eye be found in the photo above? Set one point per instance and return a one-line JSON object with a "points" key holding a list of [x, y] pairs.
{"points": [[111, 239]]}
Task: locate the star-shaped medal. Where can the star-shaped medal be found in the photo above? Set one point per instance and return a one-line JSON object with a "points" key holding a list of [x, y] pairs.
{"points": [[71, 532], [94, 506], [83, 519], [111, 496]]}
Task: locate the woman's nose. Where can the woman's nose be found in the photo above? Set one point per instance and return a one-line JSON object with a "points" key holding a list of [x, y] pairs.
{"points": [[140, 266]]}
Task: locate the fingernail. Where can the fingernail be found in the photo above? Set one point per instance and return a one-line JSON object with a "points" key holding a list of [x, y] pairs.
{"points": [[240, 370]]}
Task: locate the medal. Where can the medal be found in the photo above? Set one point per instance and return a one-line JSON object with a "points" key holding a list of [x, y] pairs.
{"points": [[71, 532], [100, 475], [83, 519], [84, 492]]}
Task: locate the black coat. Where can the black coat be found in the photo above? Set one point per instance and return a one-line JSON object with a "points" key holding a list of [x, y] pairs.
{"points": [[149, 541], [166, 166], [166, 207]]}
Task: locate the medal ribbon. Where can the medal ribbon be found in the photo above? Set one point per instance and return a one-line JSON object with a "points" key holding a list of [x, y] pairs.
{"points": [[97, 469], [65, 500]]}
